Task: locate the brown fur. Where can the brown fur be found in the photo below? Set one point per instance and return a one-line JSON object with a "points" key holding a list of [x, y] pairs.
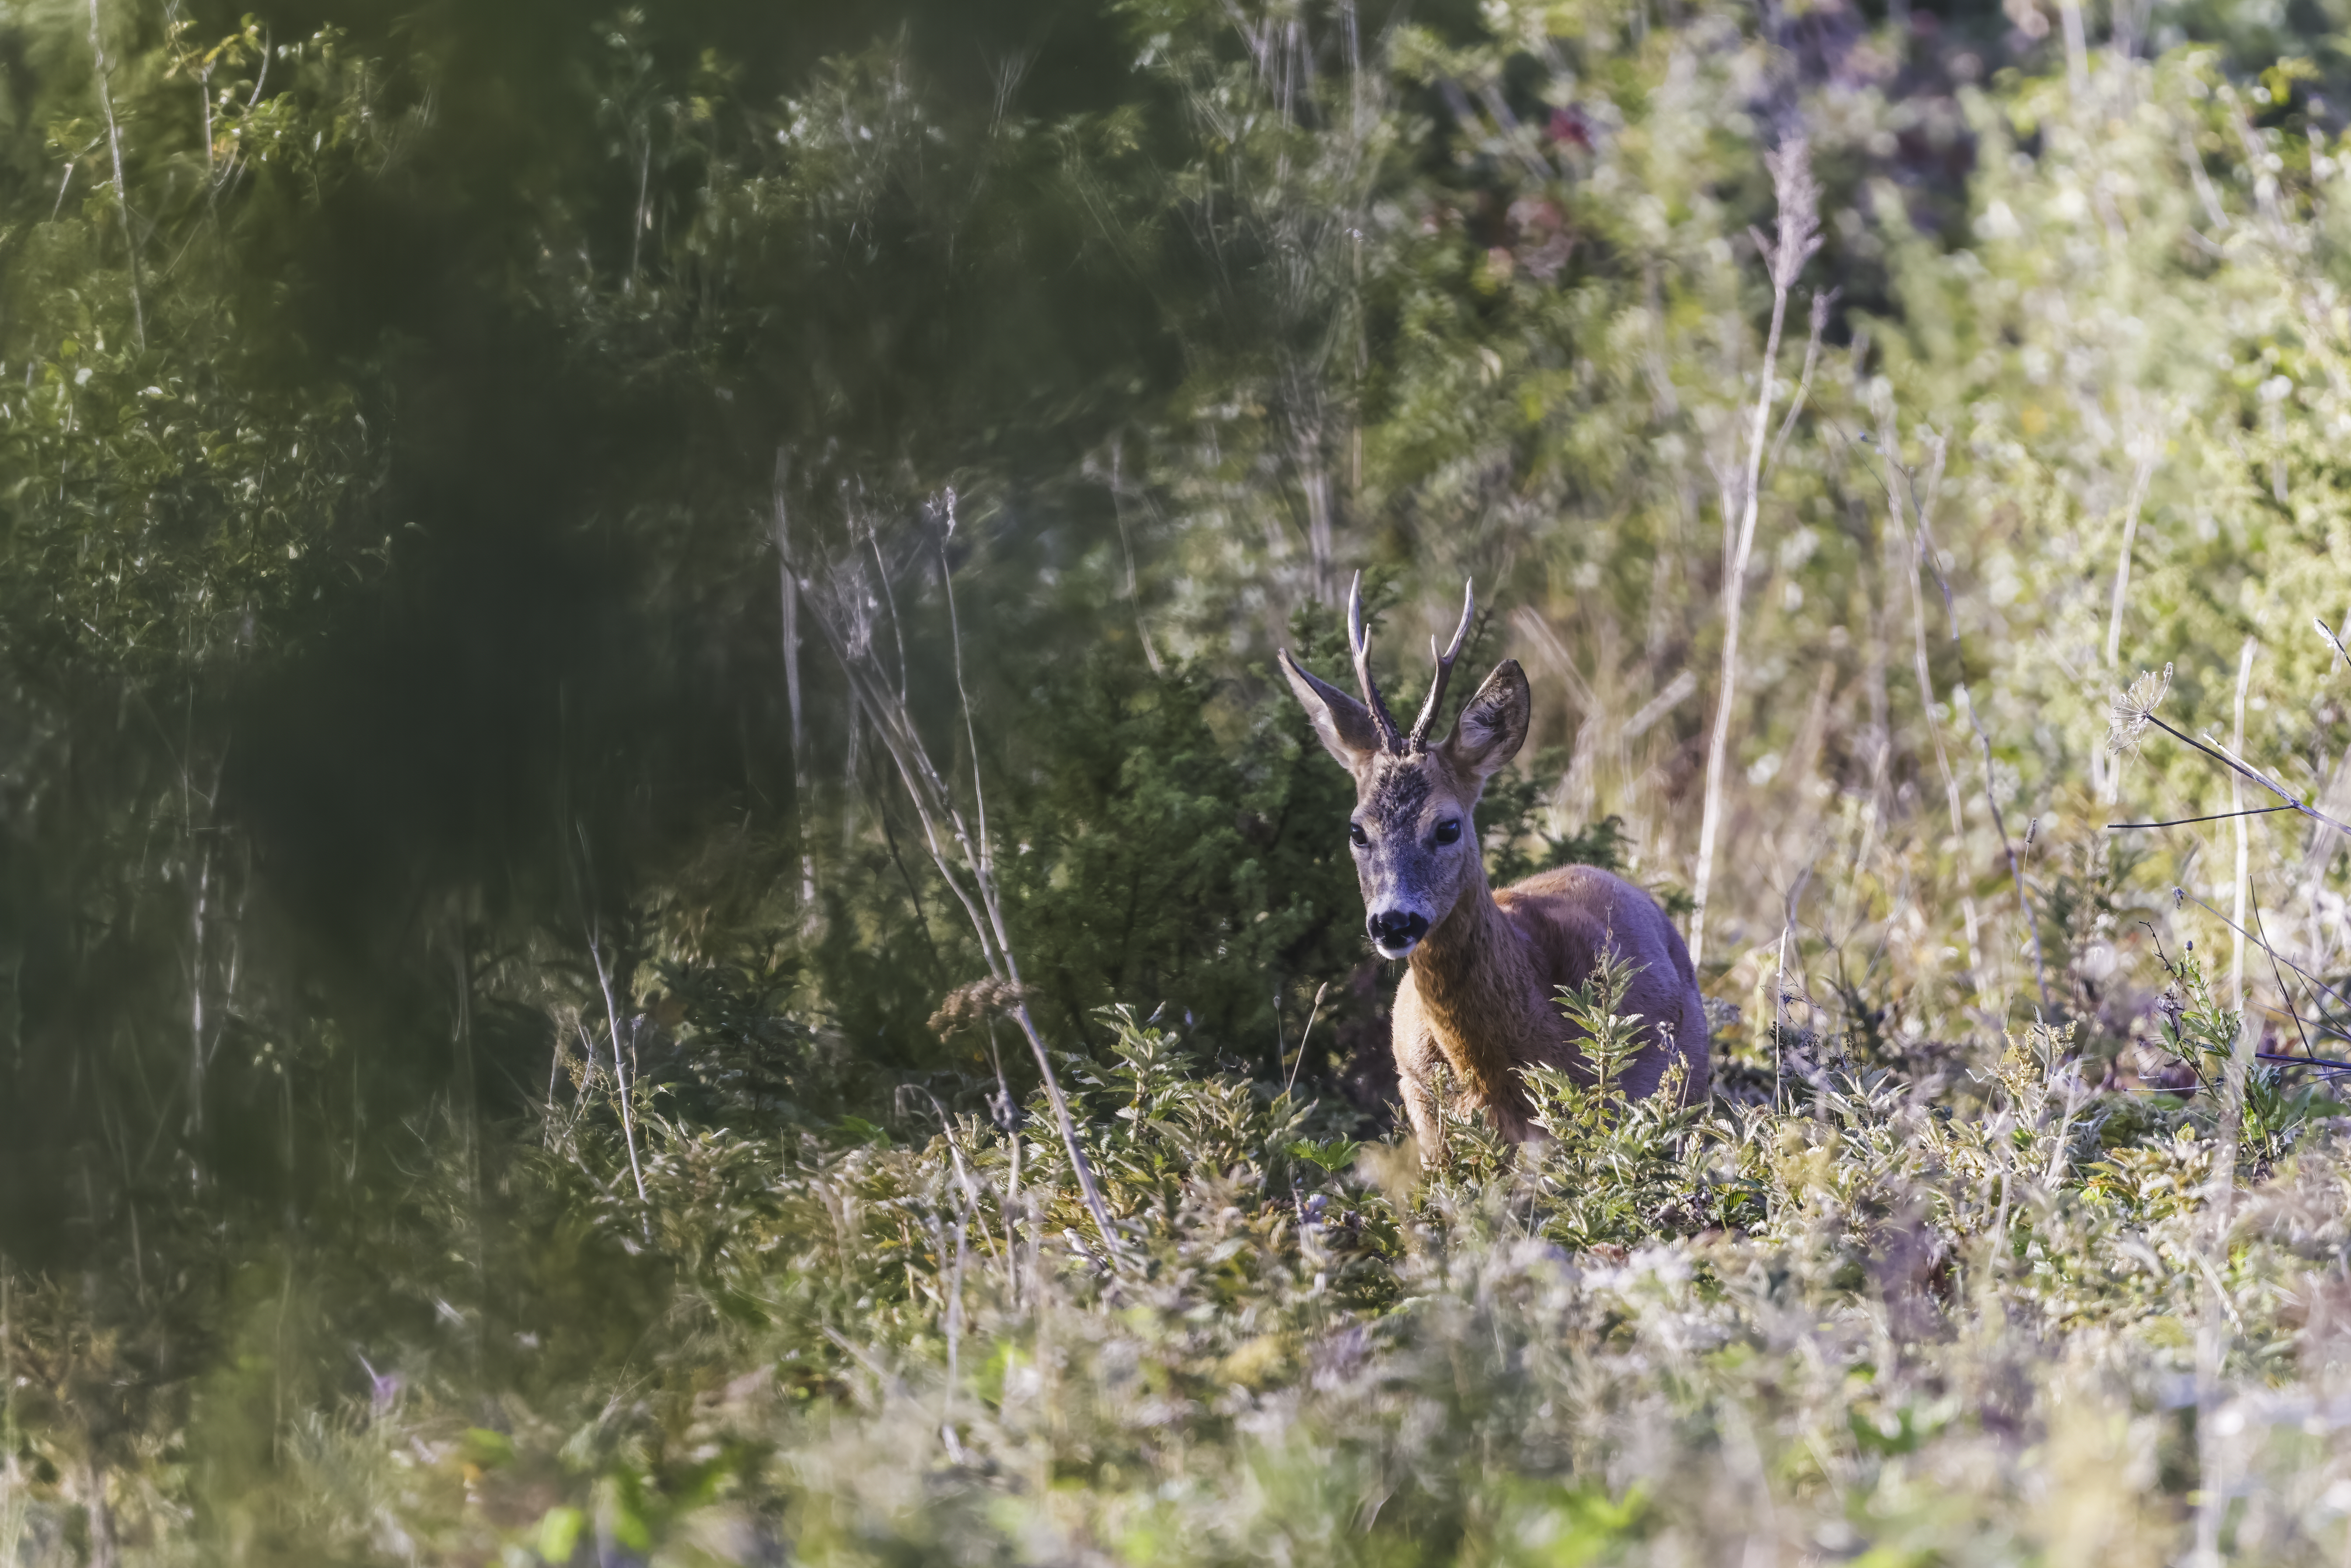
{"points": [[1481, 998], [1481, 995]]}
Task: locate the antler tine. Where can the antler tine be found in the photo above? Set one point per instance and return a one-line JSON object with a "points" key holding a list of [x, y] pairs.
{"points": [[1419, 741], [1359, 639]]}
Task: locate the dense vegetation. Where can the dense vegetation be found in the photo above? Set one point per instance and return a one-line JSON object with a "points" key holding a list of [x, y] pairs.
{"points": [[656, 904]]}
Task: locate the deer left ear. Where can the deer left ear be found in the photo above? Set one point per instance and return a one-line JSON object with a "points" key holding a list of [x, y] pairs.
{"points": [[1343, 725], [1493, 724]]}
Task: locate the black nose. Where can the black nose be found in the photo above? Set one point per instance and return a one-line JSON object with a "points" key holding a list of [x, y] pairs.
{"points": [[1395, 928]]}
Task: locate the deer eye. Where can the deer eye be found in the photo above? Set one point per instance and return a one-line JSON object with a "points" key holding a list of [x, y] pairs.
{"points": [[1448, 831], [1356, 835]]}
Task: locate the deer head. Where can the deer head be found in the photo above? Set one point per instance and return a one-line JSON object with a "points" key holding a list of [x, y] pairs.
{"points": [[1415, 846]]}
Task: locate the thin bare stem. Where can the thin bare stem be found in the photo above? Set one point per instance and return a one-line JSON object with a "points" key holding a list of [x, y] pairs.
{"points": [[198, 1058], [621, 1076], [2215, 816], [554, 1071], [2333, 640], [2015, 866], [2219, 755], [637, 227], [2245, 836], [2331, 1066], [1921, 667], [962, 692], [122, 189], [1818, 324], [2278, 974], [1126, 544], [2140, 474], [1741, 498], [2077, 47], [2183, 895], [790, 600], [1300, 1060], [2211, 1344], [974, 885]]}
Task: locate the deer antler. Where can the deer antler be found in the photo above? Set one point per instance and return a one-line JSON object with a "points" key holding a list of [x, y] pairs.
{"points": [[1359, 640], [1419, 738]]}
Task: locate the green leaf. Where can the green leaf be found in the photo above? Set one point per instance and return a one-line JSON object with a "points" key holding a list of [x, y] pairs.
{"points": [[558, 1533]]}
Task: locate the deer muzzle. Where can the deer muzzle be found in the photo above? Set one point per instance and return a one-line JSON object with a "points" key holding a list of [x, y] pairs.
{"points": [[1396, 932]]}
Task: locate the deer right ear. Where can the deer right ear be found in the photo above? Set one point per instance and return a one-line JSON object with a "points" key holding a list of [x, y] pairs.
{"points": [[1493, 723], [1345, 724]]}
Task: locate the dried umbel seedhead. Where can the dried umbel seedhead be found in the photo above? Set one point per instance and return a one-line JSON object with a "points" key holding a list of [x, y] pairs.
{"points": [[2133, 708], [973, 1003]]}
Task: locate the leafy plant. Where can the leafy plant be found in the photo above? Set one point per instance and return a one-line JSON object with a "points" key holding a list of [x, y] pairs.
{"points": [[1615, 1169]]}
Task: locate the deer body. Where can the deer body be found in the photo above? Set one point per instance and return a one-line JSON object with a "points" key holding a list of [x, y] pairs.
{"points": [[1480, 998]]}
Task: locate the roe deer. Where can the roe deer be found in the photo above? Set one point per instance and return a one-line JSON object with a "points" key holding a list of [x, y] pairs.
{"points": [[1481, 996]]}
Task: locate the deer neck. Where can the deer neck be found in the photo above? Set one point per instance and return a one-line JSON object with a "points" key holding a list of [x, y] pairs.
{"points": [[1475, 976]]}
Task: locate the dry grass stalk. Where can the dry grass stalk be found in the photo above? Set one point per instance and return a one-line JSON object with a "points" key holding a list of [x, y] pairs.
{"points": [[2147, 451], [624, 1086], [122, 191], [2243, 827], [2015, 865], [1741, 491], [803, 792], [1921, 546]]}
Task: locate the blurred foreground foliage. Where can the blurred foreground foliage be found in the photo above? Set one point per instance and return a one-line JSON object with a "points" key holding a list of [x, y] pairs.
{"points": [[498, 506]]}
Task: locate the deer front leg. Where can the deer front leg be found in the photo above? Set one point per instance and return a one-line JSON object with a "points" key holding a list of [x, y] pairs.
{"points": [[1418, 1063]]}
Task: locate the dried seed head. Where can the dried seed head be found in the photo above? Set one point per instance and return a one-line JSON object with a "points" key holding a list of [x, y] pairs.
{"points": [[2132, 707], [973, 1003], [1799, 196]]}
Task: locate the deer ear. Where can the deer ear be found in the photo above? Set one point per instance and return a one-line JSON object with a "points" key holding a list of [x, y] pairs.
{"points": [[1344, 724], [1493, 724]]}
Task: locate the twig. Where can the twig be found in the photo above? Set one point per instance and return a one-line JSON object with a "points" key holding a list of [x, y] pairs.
{"points": [[967, 1206], [802, 791], [2325, 1025], [2333, 641], [2077, 50], [975, 885], [2215, 816], [2144, 472], [554, 1071], [122, 191], [1315, 1013], [2016, 868], [1126, 543], [2281, 1059], [2181, 895], [2276, 973], [1799, 236], [963, 694], [1923, 668], [2219, 754], [2244, 840], [613, 1020]]}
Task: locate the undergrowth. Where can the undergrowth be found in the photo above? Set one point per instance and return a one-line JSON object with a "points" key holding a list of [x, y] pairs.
{"points": [[1999, 1321]]}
